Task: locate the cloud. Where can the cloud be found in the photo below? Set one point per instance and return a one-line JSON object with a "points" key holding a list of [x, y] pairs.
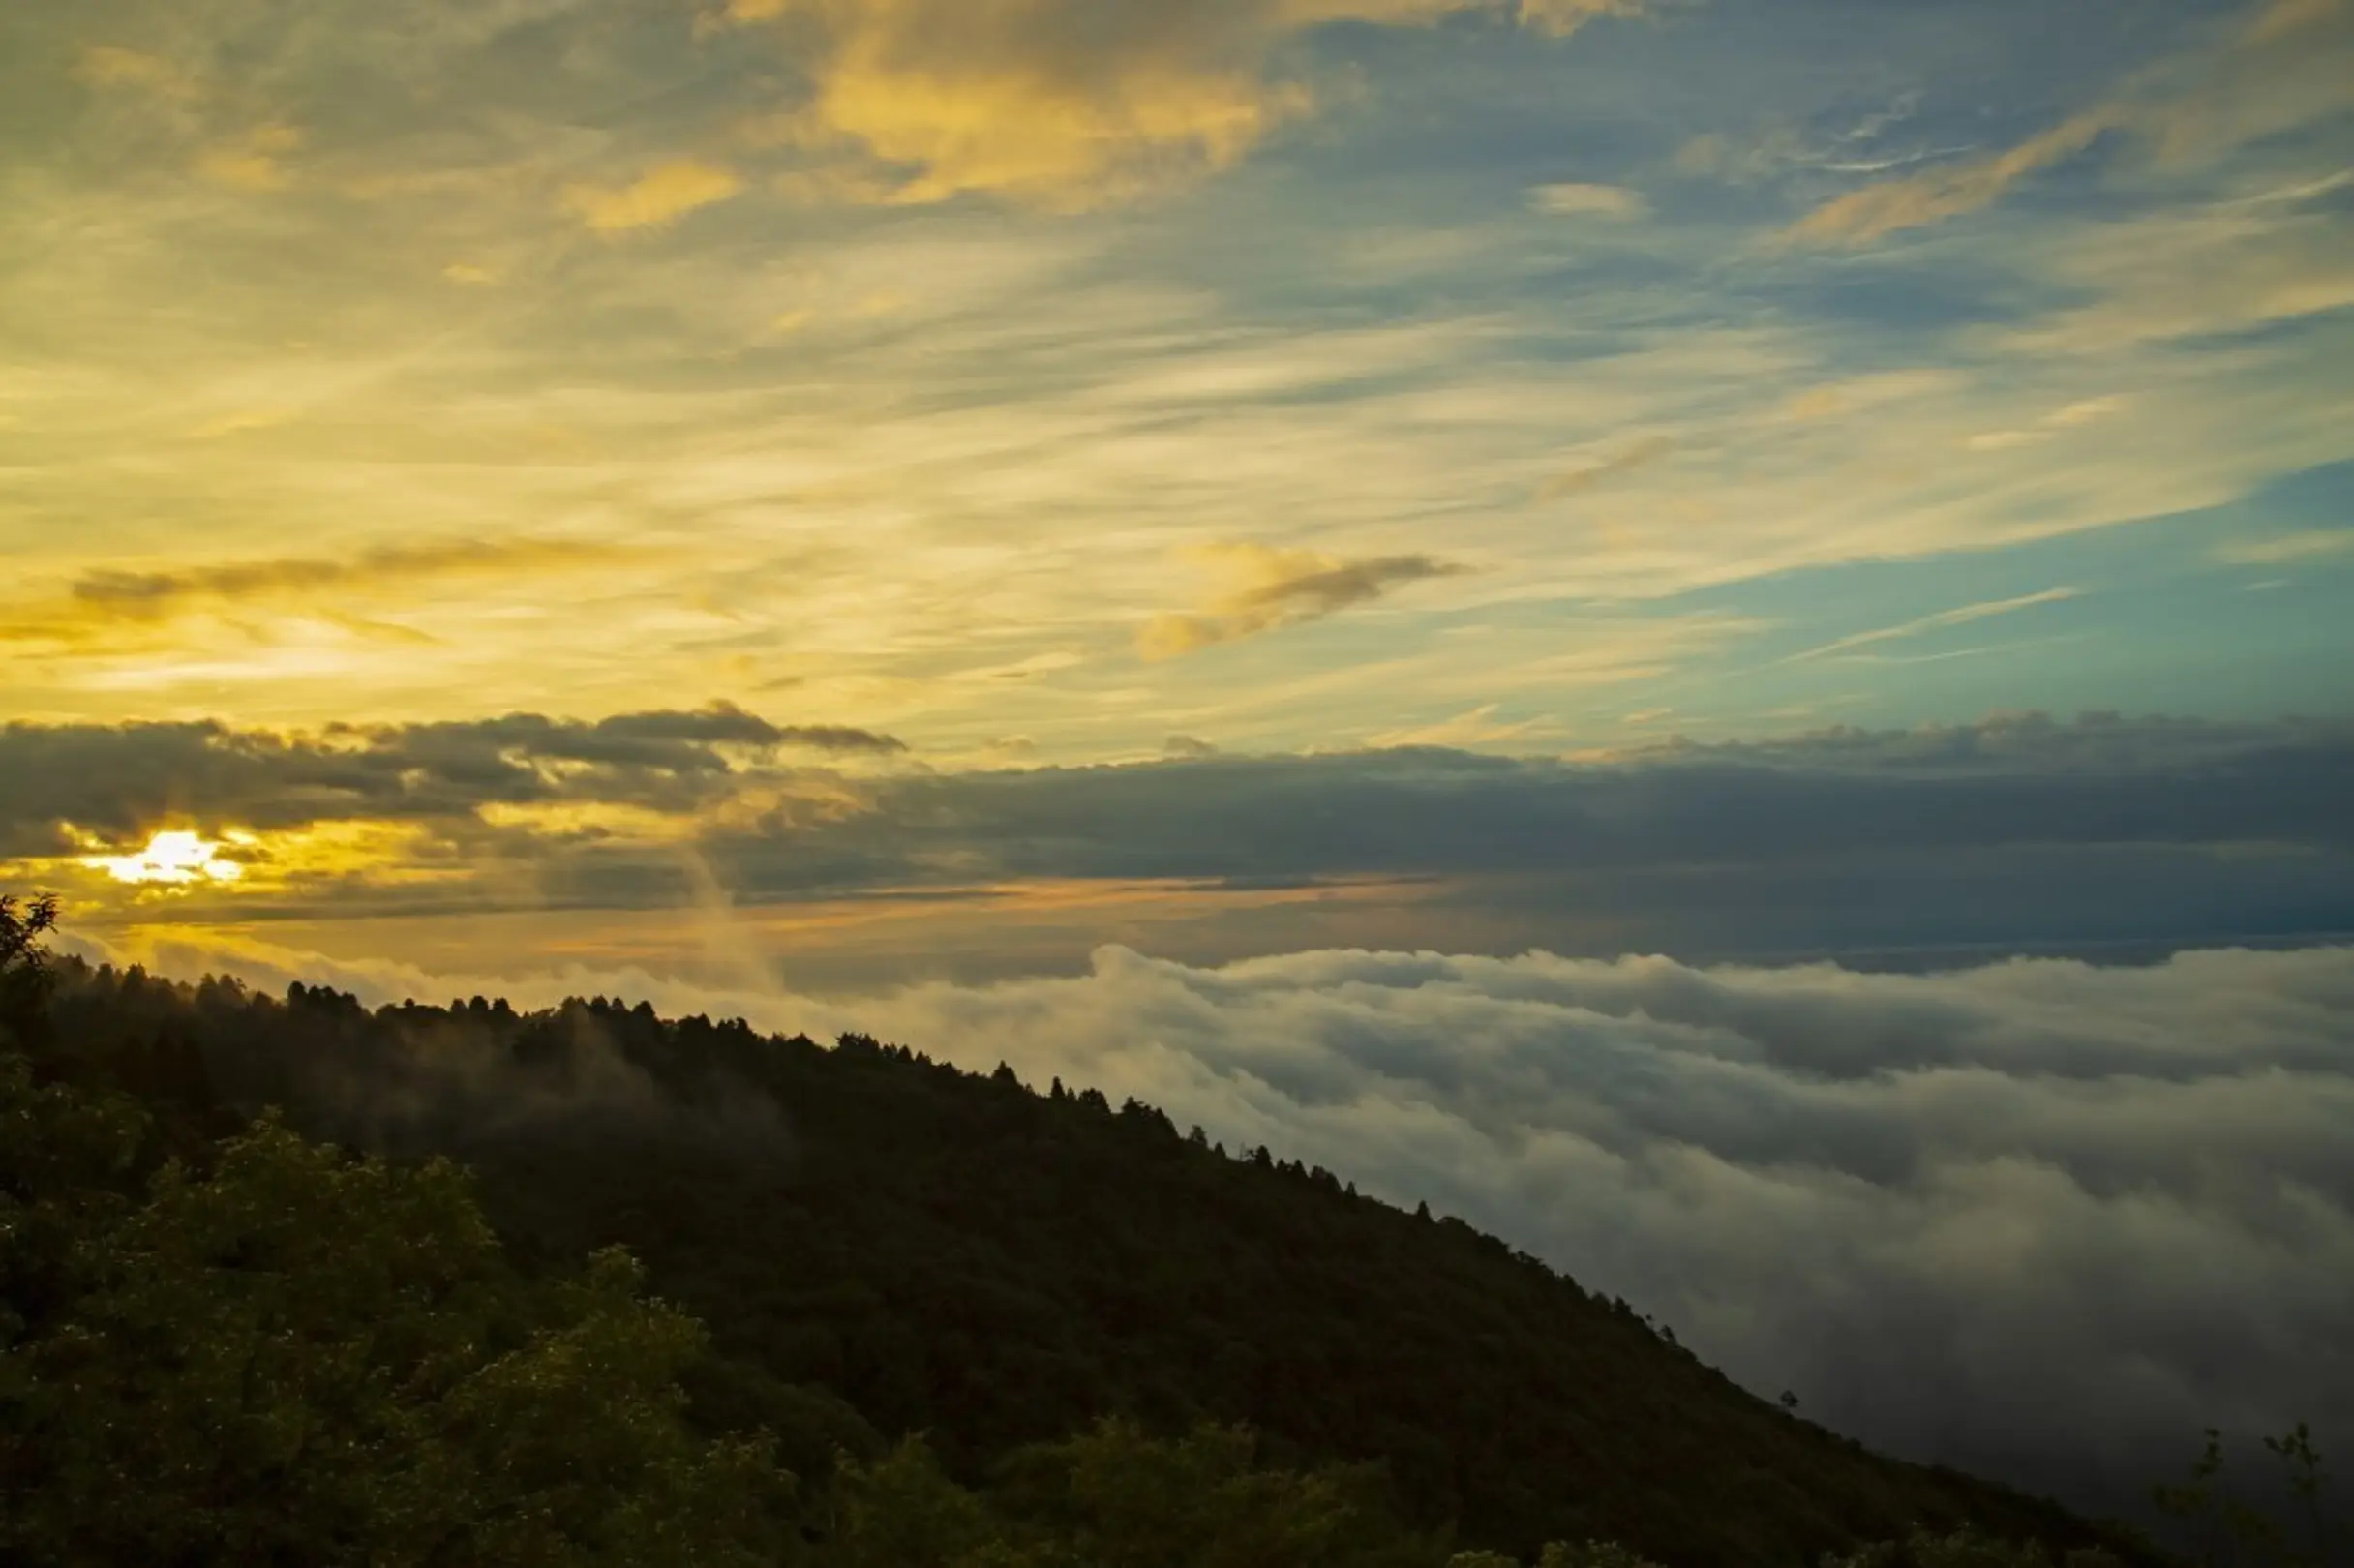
{"points": [[2004, 440], [1862, 394], [1562, 17], [2017, 832], [108, 66], [1713, 155], [1862, 216], [103, 599], [121, 781], [1281, 588], [2197, 270], [1479, 727], [141, 594], [2023, 832], [2281, 550], [663, 194], [2040, 1220], [2281, 18], [1588, 200], [2086, 411], [1636, 455], [1063, 105], [530, 842], [834, 738], [253, 163], [2276, 73], [1960, 615]]}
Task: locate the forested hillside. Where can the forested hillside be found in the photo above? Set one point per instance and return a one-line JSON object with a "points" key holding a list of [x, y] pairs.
{"points": [[882, 1246]]}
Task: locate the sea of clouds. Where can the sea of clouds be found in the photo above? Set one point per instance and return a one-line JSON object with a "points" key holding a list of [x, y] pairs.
{"points": [[2039, 1219]]}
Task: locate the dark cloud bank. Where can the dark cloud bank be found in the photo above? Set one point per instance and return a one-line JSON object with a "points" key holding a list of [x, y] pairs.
{"points": [[123, 780], [2023, 834]]}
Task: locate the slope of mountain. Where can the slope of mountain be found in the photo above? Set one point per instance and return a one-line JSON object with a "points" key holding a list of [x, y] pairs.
{"points": [[882, 1243]]}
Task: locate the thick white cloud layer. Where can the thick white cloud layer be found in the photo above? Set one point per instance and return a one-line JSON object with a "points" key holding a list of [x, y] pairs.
{"points": [[2038, 1219]]}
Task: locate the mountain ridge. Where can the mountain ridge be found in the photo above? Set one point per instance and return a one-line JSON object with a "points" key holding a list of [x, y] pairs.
{"points": [[883, 1244]]}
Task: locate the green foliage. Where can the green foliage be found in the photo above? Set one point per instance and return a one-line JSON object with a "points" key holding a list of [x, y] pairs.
{"points": [[1966, 1548], [24, 972], [299, 1357], [1593, 1554], [1119, 1498], [1116, 1497]]}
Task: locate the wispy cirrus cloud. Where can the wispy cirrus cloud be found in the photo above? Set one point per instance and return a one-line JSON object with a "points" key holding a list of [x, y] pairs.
{"points": [[1918, 200], [1562, 17], [2274, 71], [1281, 588], [1959, 616], [1637, 454], [107, 597], [1581, 201], [2288, 548]]}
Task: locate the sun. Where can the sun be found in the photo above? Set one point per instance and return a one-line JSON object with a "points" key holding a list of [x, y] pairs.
{"points": [[174, 857]]}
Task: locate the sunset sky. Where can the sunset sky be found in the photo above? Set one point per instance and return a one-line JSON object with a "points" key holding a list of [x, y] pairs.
{"points": [[1263, 554], [552, 458]]}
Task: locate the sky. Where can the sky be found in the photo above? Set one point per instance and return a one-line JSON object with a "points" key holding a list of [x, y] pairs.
{"points": [[887, 402], [934, 510]]}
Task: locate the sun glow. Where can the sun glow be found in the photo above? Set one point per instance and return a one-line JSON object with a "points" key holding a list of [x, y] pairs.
{"points": [[173, 857]]}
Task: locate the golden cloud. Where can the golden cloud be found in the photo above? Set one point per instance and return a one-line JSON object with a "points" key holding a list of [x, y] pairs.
{"points": [[1034, 99], [658, 196], [1275, 588]]}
